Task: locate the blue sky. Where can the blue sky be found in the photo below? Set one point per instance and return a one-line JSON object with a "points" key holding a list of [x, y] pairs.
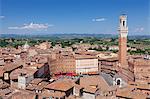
{"points": [[73, 16]]}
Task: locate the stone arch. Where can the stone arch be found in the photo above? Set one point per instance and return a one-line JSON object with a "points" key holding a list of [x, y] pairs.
{"points": [[119, 82]]}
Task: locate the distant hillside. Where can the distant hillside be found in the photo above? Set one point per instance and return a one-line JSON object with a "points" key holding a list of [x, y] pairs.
{"points": [[60, 36], [69, 36]]}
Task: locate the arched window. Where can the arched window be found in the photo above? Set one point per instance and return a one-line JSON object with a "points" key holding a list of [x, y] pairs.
{"points": [[123, 23], [118, 82]]}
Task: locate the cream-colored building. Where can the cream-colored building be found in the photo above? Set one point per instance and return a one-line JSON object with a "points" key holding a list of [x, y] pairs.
{"points": [[107, 55], [45, 45], [86, 64]]}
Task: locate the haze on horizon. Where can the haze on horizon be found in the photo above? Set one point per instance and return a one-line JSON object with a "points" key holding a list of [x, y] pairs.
{"points": [[73, 16]]}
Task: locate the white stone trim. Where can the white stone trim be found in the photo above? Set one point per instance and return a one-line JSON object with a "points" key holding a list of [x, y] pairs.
{"points": [[123, 34]]}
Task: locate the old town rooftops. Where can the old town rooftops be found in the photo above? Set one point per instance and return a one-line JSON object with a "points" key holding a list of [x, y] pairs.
{"points": [[109, 59], [53, 94], [96, 81], [129, 93], [84, 56], [4, 85], [11, 67], [62, 85], [36, 81], [23, 95], [1, 71], [140, 62], [28, 71]]}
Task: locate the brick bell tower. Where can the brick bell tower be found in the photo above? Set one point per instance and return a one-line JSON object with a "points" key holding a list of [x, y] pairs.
{"points": [[123, 32]]}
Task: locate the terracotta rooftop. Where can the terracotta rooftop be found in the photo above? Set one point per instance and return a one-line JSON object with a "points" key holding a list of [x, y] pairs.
{"points": [[1, 71], [44, 83], [14, 74], [31, 87], [28, 71], [36, 81], [84, 57], [52, 94], [128, 93], [3, 85], [94, 81], [11, 66], [62, 85], [23, 95], [5, 92], [139, 85], [36, 65], [109, 59], [141, 62], [90, 90], [39, 86], [2, 62]]}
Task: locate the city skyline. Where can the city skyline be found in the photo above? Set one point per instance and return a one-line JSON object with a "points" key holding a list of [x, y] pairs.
{"points": [[74, 68], [73, 16]]}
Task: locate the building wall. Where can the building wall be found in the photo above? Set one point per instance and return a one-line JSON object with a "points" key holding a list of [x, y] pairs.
{"points": [[123, 51], [88, 96], [68, 64], [23, 81], [86, 65], [108, 63], [141, 68], [13, 84], [123, 32], [62, 65], [142, 73], [40, 71], [44, 45], [43, 71], [76, 91]]}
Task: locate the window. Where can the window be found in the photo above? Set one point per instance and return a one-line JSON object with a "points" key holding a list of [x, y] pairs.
{"points": [[44, 98], [123, 23], [118, 82], [50, 97]]}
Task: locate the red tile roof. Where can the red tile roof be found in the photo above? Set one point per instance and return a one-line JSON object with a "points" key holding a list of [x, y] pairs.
{"points": [[60, 85]]}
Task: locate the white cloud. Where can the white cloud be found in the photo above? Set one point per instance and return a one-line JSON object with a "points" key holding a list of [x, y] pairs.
{"points": [[1, 17], [139, 29], [99, 19], [32, 26]]}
